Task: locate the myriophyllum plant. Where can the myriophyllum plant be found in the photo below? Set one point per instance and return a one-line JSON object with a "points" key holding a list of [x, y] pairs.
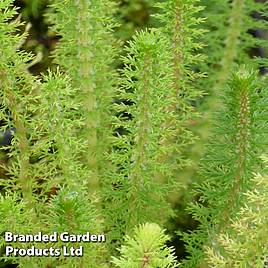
{"points": [[180, 28], [101, 152], [240, 136], [230, 40], [133, 193], [86, 53], [152, 114], [18, 101], [245, 245], [19, 104]]}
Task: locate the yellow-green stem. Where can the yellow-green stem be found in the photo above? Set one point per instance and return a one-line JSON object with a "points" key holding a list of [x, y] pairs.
{"points": [[88, 87], [136, 176], [21, 133]]}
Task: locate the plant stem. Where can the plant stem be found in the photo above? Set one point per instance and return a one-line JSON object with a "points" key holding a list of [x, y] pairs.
{"points": [[88, 87]]}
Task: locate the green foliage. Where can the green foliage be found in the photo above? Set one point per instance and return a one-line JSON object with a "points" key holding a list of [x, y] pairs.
{"points": [[60, 107], [17, 218], [17, 99], [135, 195], [146, 249], [246, 244], [236, 35], [74, 212], [86, 53], [104, 151], [181, 32], [240, 133], [230, 40]]}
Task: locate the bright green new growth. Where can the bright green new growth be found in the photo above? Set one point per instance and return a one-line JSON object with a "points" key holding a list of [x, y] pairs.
{"points": [[146, 249], [240, 133], [245, 245]]}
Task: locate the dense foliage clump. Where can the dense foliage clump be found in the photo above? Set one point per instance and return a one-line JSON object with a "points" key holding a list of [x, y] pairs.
{"points": [[132, 119]]}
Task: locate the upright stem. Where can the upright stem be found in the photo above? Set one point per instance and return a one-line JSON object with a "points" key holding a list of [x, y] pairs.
{"points": [[242, 138], [177, 52], [88, 87], [174, 124], [21, 133], [242, 144], [141, 140]]}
